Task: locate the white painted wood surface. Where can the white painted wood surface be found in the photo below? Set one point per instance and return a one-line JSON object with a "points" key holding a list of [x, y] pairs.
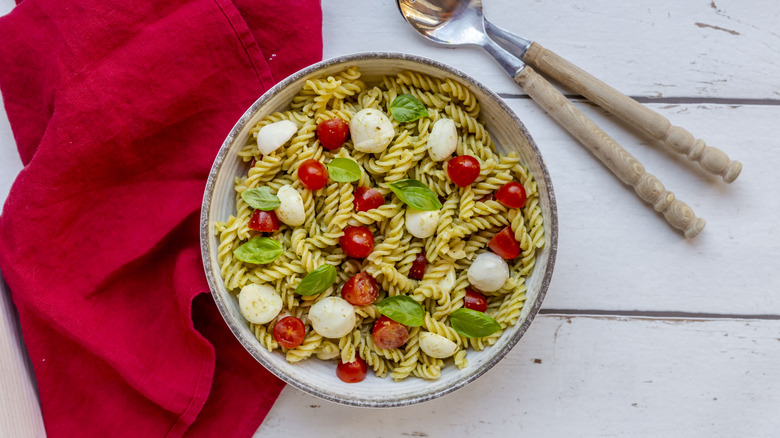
{"points": [[686, 337], [584, 376]]}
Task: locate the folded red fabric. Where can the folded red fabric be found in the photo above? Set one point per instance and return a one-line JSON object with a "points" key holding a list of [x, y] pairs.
{"points": [[118, 109]]}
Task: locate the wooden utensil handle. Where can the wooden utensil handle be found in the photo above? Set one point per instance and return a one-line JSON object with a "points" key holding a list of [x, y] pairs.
{"points": [[632, 112], [617, 159]]}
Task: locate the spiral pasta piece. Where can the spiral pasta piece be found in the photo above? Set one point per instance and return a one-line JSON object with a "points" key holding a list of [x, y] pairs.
{"points": [[461, 93], [302, 148], [509, 311], [460, 359], [266, 339], [469, 123], [379, 364], [348, 345], [467, 204], [435, 326], [327, 350], [411, 356], [309, 346]]}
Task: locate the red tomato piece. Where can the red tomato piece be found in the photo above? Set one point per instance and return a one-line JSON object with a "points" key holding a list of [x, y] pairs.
{"points": [[463, 170], [504, 244], [352, 372], [368, 199], [313, 174], [332, 133], [360, 290], [357, 242], [254, 161], [418, 267], [512, 195], [289, 332], [474, 300], [264, 221], [389, 334]]}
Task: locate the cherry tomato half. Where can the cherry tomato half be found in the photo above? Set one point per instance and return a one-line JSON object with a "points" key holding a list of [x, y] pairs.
{"points": [[313, 174], [463, 170], [357, 242], [352, 372], [418, 267], [265, 221], [289, 332], [360, 290], [332, 133], [389, 334], [504, 244], [474, 300], [368, 199], [512, 195]]}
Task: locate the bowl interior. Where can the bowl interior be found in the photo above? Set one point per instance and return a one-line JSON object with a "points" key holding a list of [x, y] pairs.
{"points": [[318, 377]]}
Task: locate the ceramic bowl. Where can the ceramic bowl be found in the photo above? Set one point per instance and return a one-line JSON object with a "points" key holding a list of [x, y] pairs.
{"points": [[318, 377]]}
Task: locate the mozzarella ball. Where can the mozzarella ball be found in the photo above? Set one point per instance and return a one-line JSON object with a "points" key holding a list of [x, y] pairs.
{"points": [[436, 346], [290, 210], [488, 272], [371, 131], [421, 224], [443, 139], [332, 317], [272, 137], [259, 303]]}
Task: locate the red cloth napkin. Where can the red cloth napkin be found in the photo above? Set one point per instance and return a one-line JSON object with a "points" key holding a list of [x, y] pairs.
{"points": [[118, 109]]}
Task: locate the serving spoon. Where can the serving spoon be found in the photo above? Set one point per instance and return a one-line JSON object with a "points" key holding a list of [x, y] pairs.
{"points": [[456, 23]]}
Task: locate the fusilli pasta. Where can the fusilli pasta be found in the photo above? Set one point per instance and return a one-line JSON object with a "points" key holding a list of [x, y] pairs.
{"points": [[467, 221]]}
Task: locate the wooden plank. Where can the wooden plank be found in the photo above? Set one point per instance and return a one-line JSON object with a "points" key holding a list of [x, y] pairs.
{"points": [[615, 252], [20, 411], [661, 48], [586, 376]]}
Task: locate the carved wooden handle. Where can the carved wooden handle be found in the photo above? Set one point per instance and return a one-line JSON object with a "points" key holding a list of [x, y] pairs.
{"points": [[617, 159], [632, 112]]}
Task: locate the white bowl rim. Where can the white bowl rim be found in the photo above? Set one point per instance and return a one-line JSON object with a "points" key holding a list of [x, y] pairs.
{"points": [[205, 234]]}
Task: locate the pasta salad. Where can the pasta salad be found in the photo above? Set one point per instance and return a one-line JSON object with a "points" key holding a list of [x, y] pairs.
{"points": [[377, 227]]}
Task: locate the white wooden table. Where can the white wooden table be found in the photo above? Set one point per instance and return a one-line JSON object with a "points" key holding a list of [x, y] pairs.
{"points": [[642, 333]]}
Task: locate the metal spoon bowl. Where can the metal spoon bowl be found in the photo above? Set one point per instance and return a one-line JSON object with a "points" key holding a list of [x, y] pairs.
{"points": [[446, 22], [456, 23]]}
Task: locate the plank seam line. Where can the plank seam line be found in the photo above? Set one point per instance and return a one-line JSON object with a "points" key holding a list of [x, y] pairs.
{"points": [[670, 100], [659, 314]]}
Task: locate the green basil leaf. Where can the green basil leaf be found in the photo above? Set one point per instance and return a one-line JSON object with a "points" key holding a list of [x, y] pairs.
{"points": [[415, 194], [260, 198], [473, 324], [403, 309], [260, 250], [317, 281], [343, 170], [406, 108]]}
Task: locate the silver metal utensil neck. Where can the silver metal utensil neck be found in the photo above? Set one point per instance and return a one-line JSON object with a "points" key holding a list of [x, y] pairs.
{"points": [[514, 44], [511, 64]]}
